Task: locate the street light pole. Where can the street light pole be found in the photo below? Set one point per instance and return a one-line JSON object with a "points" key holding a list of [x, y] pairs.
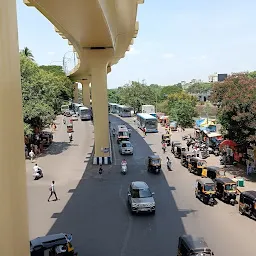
{"points": [[156, 102]]}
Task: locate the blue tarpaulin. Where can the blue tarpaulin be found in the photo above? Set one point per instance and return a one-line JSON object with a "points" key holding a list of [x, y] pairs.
{"points": [[199, 122]]}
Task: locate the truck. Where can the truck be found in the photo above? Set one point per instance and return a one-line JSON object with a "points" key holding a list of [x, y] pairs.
{"points": [[149, 109]]}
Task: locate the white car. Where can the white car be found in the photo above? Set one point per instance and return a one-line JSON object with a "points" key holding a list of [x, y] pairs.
{"points": [[74, 117], [126, 148]]}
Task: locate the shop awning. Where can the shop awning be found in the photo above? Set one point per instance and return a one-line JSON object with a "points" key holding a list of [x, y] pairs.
{"points": [[213, 134]]}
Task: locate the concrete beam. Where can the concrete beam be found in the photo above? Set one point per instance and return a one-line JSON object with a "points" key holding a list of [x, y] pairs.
{"points": [[27, 2]]}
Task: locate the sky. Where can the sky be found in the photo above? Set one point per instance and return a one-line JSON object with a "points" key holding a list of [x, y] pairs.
{"points": [[178, 40]]}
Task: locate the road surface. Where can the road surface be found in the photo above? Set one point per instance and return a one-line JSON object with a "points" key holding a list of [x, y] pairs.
{"points": [[96, 212]]}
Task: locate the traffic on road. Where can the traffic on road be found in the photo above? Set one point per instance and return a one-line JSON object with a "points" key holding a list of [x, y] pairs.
{"points": [[153, 209]]}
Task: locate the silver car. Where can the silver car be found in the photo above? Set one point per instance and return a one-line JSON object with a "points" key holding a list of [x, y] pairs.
{"points": [[126, 148], [140, 198]]}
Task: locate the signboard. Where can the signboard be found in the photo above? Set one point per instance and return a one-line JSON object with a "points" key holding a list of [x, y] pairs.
{"points": [[105, 150]]}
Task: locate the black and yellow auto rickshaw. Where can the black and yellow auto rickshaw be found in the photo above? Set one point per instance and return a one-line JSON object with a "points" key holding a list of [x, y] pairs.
{"points": [[178, 150], [214, 172], [205, 191], [185, 158], [154, 164], [174, 144], [247, 203], [226, 190], [197, 166], [52, 245], [70, 127], [166, 138], [192, 245]]}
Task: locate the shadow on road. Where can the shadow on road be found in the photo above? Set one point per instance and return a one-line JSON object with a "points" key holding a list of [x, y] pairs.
{"points": [[57, 148], [98, 217]]}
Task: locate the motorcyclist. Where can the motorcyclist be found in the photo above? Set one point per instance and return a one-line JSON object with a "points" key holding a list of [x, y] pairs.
{"points": [[124, 162], [169, 163], [37, 171]]}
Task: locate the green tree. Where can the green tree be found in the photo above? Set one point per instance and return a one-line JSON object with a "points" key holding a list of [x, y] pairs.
{"points": [[170, 89], [199, 88], [43, 92], [26, 52], [113, 96], [182, 108], [237, 112], [136, 94]]}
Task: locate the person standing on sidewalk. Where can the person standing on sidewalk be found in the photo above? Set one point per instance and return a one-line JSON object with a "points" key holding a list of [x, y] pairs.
{"points": [[32, 155], [52, 191]]}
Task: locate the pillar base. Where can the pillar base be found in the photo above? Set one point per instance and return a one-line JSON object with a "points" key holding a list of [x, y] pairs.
{"points": [[98, 160]]}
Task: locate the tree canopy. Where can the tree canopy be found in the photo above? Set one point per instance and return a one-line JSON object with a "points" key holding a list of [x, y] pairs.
{"points": [[171, 100], [44, 90], [236, 97], [199, 88]]}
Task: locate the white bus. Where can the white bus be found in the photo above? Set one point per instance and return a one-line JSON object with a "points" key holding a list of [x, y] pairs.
{"points": [[64, 108], [124, 111], [112, 108], [122, 133], [147, 121], [84, 113]]}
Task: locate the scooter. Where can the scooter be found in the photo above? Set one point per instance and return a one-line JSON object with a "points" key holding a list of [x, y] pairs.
{"points": [[38, 175], [124, 169]]}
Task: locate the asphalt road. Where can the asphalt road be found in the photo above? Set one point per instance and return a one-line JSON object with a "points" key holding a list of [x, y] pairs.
{"points": [[96, 212]]}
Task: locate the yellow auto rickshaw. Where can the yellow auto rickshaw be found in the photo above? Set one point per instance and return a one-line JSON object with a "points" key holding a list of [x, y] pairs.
{"points": [[198, 166], [167, 139]]}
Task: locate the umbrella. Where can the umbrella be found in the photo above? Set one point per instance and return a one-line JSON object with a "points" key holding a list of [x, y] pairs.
{"points": [[226, 143]]}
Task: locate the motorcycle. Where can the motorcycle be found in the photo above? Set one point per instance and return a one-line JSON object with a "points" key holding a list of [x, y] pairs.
{"points": [[70, 138], [124, 169], [169, 164], [38, 175]]}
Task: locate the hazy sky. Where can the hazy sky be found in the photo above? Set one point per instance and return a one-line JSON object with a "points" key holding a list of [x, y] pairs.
{"points": [[178, 40]]}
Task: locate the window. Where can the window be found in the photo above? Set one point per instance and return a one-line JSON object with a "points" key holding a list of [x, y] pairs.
{"points": [[141, 193], [209, 187], [230, 187]]}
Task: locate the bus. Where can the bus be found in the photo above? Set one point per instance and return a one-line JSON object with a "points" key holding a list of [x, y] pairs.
{"points": [[64, 108], [76, 106], [84, 113], [148, 121], [124, 111], [112, 108], [122, 133]]}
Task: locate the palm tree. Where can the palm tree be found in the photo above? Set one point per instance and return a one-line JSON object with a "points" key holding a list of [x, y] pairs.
{"points": [[26, 52]]}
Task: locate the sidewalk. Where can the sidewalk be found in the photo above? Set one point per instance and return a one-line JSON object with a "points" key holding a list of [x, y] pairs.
{"points": [[238, 171]]}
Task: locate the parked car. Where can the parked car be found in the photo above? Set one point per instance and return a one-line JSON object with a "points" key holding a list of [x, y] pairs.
{"points": [[126, 148], [140, 198]]}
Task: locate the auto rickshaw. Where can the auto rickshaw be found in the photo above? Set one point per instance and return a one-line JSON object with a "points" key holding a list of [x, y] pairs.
{"points": [[197, 166], [52, 245], [205, 191], [154, 164], [213, 172], [178, 150], [167, 139], [247, 204], [185, 158], [174, 144], [70, 128], [226, 190], [192, 245]]}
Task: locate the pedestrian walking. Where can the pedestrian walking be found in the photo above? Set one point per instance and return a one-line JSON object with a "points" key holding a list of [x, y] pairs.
{"points": [[32, 155], [100, 170], [52, 191], [145, 131]]}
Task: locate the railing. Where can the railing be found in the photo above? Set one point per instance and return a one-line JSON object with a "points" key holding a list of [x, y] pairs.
{"points": [[70, 61]]}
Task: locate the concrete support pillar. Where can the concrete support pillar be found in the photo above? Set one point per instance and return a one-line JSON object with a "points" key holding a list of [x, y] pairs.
{"points": [[86, 93], [13, 190], [76, 92], [99, 60]]}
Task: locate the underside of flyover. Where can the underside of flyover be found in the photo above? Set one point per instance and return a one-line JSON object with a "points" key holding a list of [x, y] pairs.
{"points": [[100, 32]]}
